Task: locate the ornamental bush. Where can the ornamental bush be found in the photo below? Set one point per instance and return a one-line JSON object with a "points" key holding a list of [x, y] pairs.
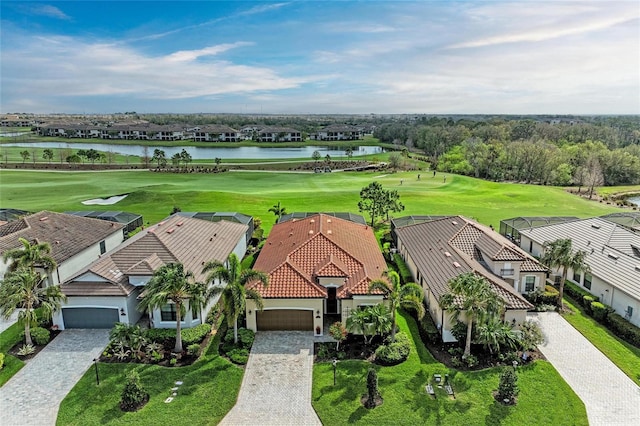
{"points": [[577, 293], [599, 311], [133, 395], [39, 335], [195, 334], [586, 302], [392, 353], [624, 329], [508, 387]]}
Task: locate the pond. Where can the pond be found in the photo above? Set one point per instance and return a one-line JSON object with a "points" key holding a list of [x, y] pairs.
{"points": [[203, 153], [634, 200]]}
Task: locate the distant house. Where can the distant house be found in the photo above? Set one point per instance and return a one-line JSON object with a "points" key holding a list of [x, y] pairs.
{"points": [[613, 256], [215, 133], [228, 216], [131, 221], [108, 290], [339, 132], [439, 250], [319, 267], [279, 134], [75, 241]]}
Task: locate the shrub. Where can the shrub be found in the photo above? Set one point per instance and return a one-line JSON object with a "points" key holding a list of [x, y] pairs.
{"points": [[195, 334], [508, 386], [392, 353], [586, 302], [245, 337], [577, 293], [531, 335], [599, 311], [470, 361], [193, 349], [338, 331], [26, 350], [403, 270], [427, 328], [1, 360], [624, 329], [239, 356], [39, 335], [459, 331], [372, 388], [164, 336], [133, 395]]}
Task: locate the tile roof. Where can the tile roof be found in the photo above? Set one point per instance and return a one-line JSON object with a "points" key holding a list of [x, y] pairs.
{"points": [[192, 242], [67, 234], [444, 248], [609, 248], [299, 251]]}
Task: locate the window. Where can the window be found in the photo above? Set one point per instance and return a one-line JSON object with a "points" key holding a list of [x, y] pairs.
{"points": [[530, 246], [576, 276], [195, 314], [103, 247], [529, 283], [587, 281], [168, 312]]}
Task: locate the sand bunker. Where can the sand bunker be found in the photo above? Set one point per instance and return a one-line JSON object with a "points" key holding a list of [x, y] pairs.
{"points": [[104, 201]]}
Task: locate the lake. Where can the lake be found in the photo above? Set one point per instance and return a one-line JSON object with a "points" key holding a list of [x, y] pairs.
{"points": [[634, 200], [205, 153]]}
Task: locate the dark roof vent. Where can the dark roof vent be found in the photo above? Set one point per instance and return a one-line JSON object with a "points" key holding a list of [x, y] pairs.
{"points": [[595, 226], [613, 256]]}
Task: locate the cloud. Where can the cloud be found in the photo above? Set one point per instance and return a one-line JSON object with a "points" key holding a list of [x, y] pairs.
{"points": [[261, 9], [46, 10], [65, 66]]}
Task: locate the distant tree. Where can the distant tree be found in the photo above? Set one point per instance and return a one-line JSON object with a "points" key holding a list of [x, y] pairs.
{"points": [[377, 201], [145, 156], [593, 174], [159, 157], [73, 159], [278, 210], [92, 155], [316, 156], [82, 154], [176, 159], [327, 159], [395, 160], [392, 203], [25, 155], [186, 158], [349, 153], [217, 160]]}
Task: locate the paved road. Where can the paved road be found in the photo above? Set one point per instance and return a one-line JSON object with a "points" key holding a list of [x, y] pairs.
{"points": [[276, 388], [6, 323], [611, 398], [33, 395]]}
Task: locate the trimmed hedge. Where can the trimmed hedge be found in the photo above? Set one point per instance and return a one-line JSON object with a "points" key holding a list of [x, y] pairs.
{"points": [[624, 329], [39, 335], [1, 360], [600, 312], [195, 334], [577, 293], [392, 353], [403, 270], [167, 336], [427, 328]]}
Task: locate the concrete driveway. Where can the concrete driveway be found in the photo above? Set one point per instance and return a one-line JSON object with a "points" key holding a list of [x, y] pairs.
{"points": [[6, 323], [276, 388], [611, 398], [33, 395]]}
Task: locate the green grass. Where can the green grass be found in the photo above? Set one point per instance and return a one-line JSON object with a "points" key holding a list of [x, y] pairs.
{"points": [[12, 365], [544, 397], [621, 353], [210, 389], [154, 194]]}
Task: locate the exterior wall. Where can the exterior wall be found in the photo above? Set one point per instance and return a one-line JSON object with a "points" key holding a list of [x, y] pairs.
{"points": [[187, 321], [519, 316], [240, 249], [349, 305], [71, 266], [119, 302], [315, 305]]}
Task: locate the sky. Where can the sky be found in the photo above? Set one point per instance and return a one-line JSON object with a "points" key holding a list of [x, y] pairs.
{"points": [[321, 57]]}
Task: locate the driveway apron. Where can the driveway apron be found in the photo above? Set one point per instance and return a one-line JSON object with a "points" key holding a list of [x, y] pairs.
{"points": [[276, 388], [33, 395], [610, 397]]}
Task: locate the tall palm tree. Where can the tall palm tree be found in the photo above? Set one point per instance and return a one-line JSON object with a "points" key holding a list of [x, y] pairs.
{"points": [[234, 293], [560, 254], [278, 210], [21, 289], [408, 296], [472, 295], [30, 255], [359, 320], [171, 283]]}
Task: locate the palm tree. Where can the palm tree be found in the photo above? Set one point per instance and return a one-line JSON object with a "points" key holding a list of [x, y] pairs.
{"points": [[379, 320], [171, 283], [408, 296], [234, 293], [21, 289], [30, 256], [278, 210], [359, 320], [472, 295], [494, 333], [560, 254]]}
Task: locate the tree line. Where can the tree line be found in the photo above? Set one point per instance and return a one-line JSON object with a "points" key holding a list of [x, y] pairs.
{"points": [[604, 150]]}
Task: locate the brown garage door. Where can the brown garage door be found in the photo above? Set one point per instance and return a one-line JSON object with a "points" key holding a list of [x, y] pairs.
{"points": [[285, 319]]}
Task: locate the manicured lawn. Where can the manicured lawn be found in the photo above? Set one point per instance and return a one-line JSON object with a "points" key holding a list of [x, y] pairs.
{"points": [[154, 194], [621, 353], [209, 391], [12, 365], [544, 397]]}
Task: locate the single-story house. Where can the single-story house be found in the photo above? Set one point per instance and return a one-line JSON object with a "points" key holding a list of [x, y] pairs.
{"points": [[613, 256], [75, 241], [318, 265], [108, 290], [439, 250]]}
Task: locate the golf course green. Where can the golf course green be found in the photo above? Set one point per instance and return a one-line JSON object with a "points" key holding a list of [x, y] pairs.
{"points": [[154, 194]]}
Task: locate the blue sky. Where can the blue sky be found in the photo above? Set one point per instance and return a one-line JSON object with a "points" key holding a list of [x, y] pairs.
{"points": [[441, 57]]}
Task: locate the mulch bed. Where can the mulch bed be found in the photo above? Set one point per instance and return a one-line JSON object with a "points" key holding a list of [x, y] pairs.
{"points": [[352, 347], [16, 348]]}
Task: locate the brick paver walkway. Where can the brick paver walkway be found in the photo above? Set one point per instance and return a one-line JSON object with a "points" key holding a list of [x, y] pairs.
{"points": [[33, 395], [276, 388], [611, 398]]}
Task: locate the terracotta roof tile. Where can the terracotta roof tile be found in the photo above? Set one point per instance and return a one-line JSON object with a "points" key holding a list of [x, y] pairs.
{"points": [[320, 245]]}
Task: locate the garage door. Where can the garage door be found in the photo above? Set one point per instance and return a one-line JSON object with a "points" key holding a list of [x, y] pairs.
{"points": [[285, 319], [89, 317]]}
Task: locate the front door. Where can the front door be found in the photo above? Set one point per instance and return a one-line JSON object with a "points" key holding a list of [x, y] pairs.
{"points": [[332, 301]]}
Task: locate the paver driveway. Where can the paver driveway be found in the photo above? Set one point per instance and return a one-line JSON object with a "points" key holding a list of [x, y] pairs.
{"points": [[33, 395], [611, 398], [276, 388], [6, 323]]}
